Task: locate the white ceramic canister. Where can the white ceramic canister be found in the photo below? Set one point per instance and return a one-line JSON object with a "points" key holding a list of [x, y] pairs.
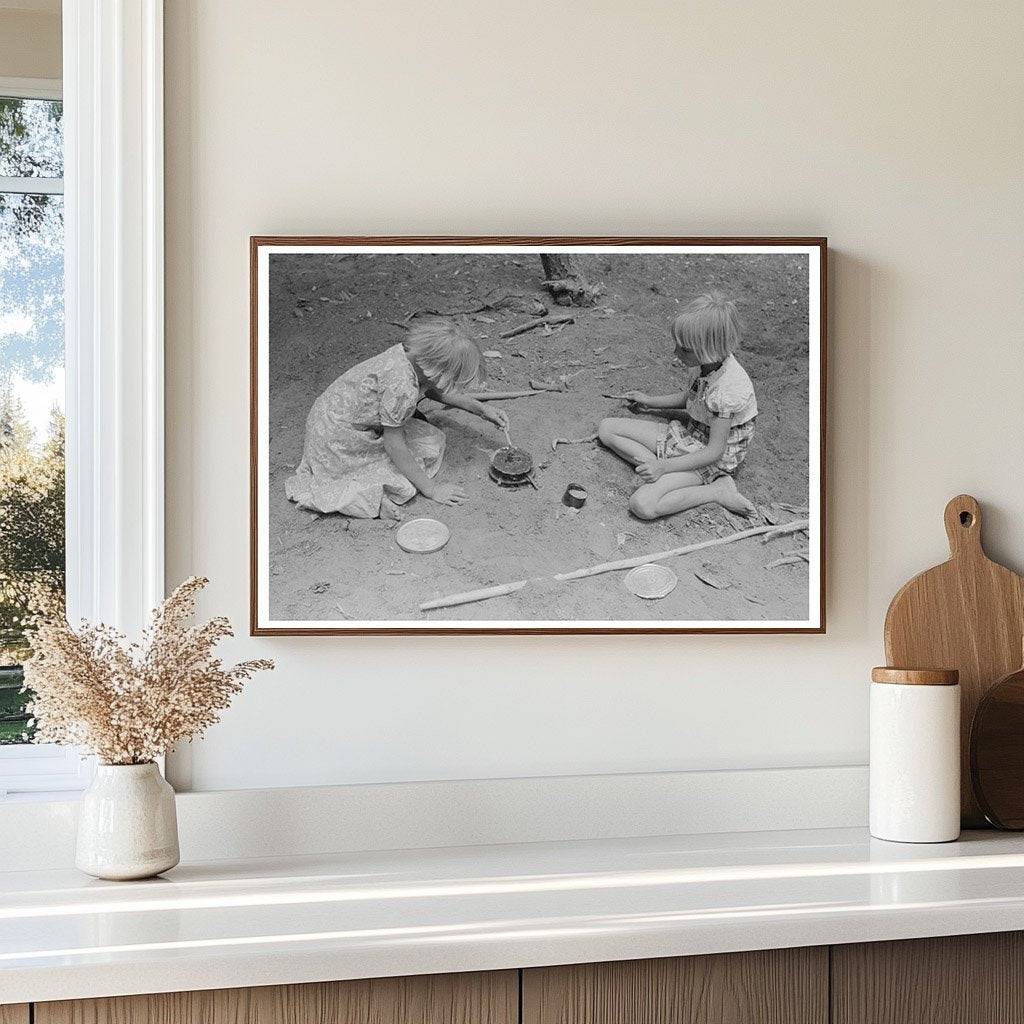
{"points": [[127, 825], [915, 755]]}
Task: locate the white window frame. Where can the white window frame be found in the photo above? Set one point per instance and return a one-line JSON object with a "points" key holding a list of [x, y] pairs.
{"points": [[32, 88], [114, 325]]}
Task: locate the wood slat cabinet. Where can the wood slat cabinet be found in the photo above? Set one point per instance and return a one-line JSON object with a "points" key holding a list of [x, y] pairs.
{"points": [[482, 998], [969, 979], [774, 986], [962, 979]]}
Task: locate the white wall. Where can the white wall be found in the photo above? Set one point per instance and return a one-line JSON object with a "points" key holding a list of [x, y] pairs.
{"points": [[895, 129]]}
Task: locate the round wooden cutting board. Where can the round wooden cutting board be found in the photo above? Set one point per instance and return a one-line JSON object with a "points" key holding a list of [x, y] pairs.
{"points": [[967, 614], [997, 752]]}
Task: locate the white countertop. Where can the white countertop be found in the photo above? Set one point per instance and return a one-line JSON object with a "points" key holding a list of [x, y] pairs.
{"points": [[262, 922]]}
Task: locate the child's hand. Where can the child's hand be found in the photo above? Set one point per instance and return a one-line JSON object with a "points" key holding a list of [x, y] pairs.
{"points": [[650, 471], [498, 417], [637, 397], [447, 494]]}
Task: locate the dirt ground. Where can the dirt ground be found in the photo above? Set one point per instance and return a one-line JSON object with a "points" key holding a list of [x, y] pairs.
{"points": [[329, 312]]}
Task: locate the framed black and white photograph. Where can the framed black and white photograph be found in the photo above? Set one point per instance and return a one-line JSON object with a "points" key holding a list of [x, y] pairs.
{"points": [[537, 435]]}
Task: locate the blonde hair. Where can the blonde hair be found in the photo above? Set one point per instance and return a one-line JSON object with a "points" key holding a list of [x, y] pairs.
{"points": [[709, 327], [445, 354]]}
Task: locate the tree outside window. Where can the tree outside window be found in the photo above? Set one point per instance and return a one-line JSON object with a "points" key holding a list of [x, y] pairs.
{"points": [[31, 387]]}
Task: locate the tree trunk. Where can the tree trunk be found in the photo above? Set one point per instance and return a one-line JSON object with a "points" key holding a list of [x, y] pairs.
{"points": [[566, 282]]}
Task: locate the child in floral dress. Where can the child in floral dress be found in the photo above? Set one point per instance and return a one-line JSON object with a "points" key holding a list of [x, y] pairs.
{"points": [[365, 452]]}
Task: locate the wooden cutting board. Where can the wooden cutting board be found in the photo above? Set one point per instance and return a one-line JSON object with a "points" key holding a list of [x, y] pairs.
{"points": [[997, 752], [967, 614]]}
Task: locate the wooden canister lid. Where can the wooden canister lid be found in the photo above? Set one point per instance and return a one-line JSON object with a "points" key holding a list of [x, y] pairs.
{"points": [[916, 676]]}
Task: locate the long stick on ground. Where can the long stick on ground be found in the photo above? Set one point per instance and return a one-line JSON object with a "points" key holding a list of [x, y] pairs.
{"points": [[626, 563], [660, 556], [534, 324], [784, 529], [473, 595]]}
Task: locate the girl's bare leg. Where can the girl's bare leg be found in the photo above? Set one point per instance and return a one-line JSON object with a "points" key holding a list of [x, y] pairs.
{"points": [[677, 492], [633, 440]]}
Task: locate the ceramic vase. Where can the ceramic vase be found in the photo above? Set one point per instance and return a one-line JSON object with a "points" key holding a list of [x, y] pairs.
{"points": [[127, 825]]}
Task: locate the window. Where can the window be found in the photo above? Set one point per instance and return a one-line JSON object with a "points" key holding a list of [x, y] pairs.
{"points": [[31, 383], [109, 209], [32, 514]]}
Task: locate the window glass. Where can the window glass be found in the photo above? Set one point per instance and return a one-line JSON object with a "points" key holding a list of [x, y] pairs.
{"points": [[31, 138], [31, 387]]}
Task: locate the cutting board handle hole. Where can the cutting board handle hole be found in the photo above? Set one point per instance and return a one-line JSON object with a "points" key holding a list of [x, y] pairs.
{"points": [[962, 518]]}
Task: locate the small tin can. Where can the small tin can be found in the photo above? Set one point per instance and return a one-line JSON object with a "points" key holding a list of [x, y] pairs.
{"points": [[575, 496]]}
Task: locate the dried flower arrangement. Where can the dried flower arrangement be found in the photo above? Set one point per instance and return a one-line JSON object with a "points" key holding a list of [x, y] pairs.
{"points": [[129, 703]]}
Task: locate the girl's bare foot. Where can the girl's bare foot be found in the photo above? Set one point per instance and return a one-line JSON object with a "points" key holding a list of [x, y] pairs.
{"points": [[729, 497]]}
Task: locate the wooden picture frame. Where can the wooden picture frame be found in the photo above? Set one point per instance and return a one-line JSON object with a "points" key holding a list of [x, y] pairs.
{"points": [[263, 621]]}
